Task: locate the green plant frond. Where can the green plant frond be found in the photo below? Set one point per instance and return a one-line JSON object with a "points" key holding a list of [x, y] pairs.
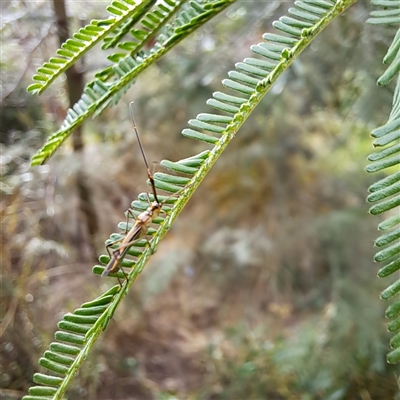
{"points": [[123, 29], [77, 333], [386, 194], [84, 40], [249, 82], [142, 36], [388, 14], [97, 93], [150, 27], [392, 58]]}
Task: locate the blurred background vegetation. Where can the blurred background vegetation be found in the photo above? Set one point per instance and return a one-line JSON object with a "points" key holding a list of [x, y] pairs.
{"points": [[265, 288]]}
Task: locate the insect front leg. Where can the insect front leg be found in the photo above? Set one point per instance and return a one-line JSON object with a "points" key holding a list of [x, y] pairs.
{"points": [[129, 214]]}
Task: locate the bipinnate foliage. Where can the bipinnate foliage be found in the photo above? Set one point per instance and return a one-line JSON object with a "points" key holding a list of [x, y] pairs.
{"points": [[385, 192], [128, 63], [167, 24]]}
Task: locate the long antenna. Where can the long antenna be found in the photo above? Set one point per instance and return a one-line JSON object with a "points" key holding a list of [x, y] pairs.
{"points": [[149, 174]]}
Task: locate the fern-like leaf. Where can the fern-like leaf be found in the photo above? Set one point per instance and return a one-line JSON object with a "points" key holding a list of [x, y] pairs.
{"points": [[77, 333], [150, 27], [388, 14], [121, 31], [249, 82], [85, 39], [386, 192], [97, 93]]}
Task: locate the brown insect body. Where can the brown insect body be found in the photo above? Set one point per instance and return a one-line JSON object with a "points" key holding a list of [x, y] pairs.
{"points": [[138, 231]]}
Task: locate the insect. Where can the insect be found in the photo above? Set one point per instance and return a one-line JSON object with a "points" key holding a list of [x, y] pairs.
{"points": [[142, 221]]}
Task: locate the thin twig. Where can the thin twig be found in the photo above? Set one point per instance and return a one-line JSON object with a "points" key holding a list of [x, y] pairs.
{"points": [[9, 316]]}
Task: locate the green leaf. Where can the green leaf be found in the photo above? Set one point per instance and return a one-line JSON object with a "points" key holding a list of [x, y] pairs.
{"points": [[99, 94], [86, 38]]}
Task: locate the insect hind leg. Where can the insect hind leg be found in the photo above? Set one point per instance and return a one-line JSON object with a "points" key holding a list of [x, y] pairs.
{"points": [[112, 254]]}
